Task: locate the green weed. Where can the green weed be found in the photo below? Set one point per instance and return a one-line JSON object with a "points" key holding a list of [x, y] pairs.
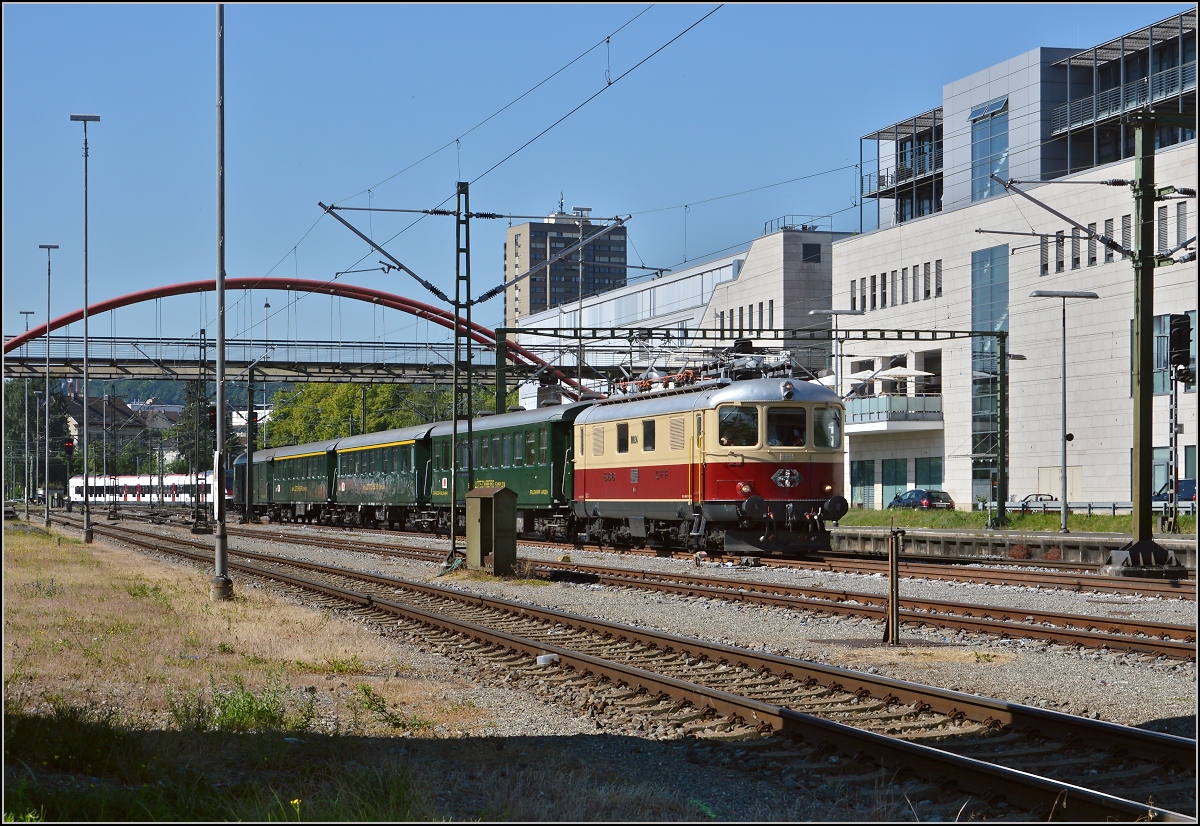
{"points": [[372, 702]]}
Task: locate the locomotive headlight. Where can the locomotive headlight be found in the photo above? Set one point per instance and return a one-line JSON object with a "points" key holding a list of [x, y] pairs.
{"points": [[829, 488], [787, 389], [745, 488]]}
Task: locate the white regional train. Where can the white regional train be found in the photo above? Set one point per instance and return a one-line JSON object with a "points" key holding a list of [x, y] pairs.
{"points": [[168, 490]]}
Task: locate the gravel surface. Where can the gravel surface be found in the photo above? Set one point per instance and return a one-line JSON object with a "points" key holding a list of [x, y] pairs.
{"points": [[1131, 689]]}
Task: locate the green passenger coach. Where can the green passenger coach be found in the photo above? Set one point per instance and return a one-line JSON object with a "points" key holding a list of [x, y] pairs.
{"points": [[528, 451], [383, 477]]}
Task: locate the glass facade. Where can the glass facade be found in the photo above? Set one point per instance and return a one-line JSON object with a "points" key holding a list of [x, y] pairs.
{"points": [[989, 153], [862, 483], [989, 311]]}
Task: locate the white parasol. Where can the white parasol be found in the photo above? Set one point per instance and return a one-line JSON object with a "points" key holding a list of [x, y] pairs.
{"points": [[901, 373]]}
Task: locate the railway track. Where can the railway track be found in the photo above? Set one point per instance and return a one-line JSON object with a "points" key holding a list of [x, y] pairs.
{"points": [[1078, 578], [1118, 634], [786, 715]]}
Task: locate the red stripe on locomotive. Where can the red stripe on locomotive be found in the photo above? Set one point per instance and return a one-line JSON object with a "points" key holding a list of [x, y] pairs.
{"points": [[721, 480]]}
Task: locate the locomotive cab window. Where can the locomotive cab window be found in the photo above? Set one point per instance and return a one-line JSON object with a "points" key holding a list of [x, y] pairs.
{"points": [[648, 435], [827, 427], [738, 426], [623, 437], [787, 426]]}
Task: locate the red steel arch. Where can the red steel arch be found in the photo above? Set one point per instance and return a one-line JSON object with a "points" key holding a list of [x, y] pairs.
{"points": [[514, 352]]}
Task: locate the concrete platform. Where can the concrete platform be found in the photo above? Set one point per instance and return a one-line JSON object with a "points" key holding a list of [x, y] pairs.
{"points": [[984, 545]]}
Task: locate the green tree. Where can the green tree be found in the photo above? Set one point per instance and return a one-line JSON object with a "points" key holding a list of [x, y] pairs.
{"points": [[316, 412], [194, 437], [14, 434]]}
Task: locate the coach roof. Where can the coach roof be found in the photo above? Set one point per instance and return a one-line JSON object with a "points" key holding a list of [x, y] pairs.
{"points": [[520, 418]]}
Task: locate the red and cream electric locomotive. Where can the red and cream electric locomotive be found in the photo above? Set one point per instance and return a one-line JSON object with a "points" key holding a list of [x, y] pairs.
{"points": [[750, 466]]}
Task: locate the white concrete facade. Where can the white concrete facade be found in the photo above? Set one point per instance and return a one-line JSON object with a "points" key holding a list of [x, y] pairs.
{"points": [[1098, 333], [771, 286]]}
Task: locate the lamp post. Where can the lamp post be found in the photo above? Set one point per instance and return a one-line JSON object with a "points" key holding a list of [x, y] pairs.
{"points": [[104, 438], [47, 248], [837, 344], [87, 513], [266, 345], [37, 433], [27, 314], [1064, 295]]}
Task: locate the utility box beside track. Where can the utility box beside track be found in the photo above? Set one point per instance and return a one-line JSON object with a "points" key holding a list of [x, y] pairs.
{"points": [[492, 528]]}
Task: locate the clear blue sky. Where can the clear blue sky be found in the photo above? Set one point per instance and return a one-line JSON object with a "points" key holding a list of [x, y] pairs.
{"points": [[325, 103]]}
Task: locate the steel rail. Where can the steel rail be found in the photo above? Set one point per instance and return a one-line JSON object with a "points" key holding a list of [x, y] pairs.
{"points": [[1055, 798], [949, 570], [1159, 639]]}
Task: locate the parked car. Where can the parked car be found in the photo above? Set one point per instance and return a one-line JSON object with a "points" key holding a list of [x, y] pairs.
{"points": [[923, 499], [1187, 491], [1039, 497]]}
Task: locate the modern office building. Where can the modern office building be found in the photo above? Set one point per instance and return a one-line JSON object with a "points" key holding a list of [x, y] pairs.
{"points": [[600, 266], [771, 286], [948, 247]]}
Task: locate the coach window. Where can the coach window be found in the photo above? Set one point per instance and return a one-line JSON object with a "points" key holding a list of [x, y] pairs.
{"points": [[787, 426], [485, 452], [496, 450], [827, 427], [531, 447], [518, 448], [648, 435], [543, 448], [623, 437], [738, 426], [508, 450]]}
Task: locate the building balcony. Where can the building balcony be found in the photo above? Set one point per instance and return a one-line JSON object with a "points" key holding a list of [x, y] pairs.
{"points": [[1090, 110], [885, 183], [891, 412]]}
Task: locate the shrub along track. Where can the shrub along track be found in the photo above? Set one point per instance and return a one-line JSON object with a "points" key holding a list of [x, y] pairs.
{"points": [[844, 725], [1155, 639]]}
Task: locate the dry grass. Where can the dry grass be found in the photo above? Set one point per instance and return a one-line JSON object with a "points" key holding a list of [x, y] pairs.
{"points": [[130, 696], [889, 655]]}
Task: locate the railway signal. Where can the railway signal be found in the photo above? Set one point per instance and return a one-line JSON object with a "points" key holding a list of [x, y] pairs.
{"points": [[69, 448], [1180, 340]]}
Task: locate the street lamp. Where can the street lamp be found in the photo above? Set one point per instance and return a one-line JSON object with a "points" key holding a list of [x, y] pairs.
{"points": [[37, 433], [87, 513], [27, 314], [104, 436], [837, 344], [266, 344], [1064, 295], [47, 248]]}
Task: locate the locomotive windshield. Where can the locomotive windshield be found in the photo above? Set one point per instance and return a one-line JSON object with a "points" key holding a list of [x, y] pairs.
{"points": [[827, 427], [738, 426], [787, 426]]}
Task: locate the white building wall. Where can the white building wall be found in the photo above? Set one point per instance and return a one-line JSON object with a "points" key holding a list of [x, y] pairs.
{"points": [[770, 281], [1099, 381]]}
